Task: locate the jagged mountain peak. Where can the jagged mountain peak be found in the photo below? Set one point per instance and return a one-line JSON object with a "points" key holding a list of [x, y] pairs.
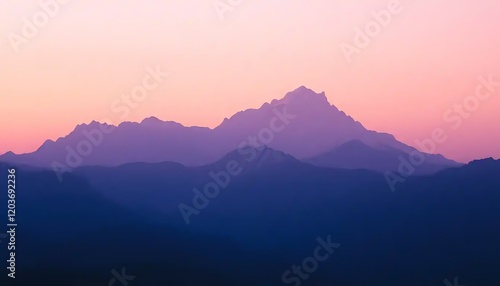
{"points": [[253, 157], [302, 123], [303, 92], [152, 119], [305, 97]]}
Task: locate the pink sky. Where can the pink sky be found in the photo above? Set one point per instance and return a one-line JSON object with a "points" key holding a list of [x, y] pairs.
{"points": [[426, 60]]}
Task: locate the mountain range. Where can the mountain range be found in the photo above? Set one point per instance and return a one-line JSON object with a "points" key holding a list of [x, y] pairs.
{"points": [[302, 124], [244, 202], [266, 219]]}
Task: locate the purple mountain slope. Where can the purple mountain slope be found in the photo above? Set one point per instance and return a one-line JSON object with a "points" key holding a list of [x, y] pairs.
{"points": [[248, 159], [313, 127], [150, 141], [302, 124], [357, 155]]}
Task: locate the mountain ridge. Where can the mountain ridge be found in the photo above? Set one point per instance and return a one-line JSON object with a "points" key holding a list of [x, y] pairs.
{"points": [[302, 123]]}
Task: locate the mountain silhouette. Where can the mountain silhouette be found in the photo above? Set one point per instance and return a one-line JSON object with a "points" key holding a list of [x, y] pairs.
{"points": [[357, 155], [265, 220], [302, 124]]}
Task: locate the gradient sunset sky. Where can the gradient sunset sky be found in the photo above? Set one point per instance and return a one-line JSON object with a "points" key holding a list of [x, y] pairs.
{"points": [[426, 60]]}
